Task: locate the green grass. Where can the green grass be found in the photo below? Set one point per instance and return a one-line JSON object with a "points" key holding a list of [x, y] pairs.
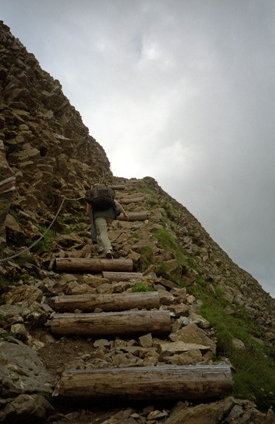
{"points": [[144, 188], [169, 242], [254, 366], [46, 244], [146, 253], [167, 223], [153, 200], [254, 375], [162, 270], [171, 212], [141, 287]]}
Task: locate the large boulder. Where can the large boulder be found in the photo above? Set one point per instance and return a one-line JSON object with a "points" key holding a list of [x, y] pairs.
{"points": [[22, 371], [193, 334], [25, 409], [208, 413]]}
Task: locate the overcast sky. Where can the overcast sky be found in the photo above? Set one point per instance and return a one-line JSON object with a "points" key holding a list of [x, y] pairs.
{"points": [[181, 90]]}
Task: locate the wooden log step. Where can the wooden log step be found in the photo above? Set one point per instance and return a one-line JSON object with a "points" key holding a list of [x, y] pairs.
{"points": [[93, 264], [107, 302], [118, 186], [148, 383], [122, 276], [126, 201], [134, 216], [111, 323]]}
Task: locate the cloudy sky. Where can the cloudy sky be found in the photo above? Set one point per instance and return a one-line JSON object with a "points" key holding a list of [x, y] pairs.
{"points": [[181, 90]]}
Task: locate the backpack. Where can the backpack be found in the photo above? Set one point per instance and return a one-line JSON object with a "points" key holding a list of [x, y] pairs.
{"points": [[101, 197]]}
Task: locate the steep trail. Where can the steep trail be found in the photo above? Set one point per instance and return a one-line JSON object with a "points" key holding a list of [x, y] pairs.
{"points": [[52, 154], [184, 352], [119, 361]]}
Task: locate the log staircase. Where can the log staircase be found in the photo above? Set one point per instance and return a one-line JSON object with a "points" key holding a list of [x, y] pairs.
{"points": [[127, 314]]}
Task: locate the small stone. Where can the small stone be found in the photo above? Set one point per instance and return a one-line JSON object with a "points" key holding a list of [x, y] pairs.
{"points": [[184, 320], [179, 346], [135, 415], [185, 358], [151, 359], [236, 412], [134, 256], [35, 344], [191, 299], [198, 319], [85, 357], [176, 326], [180, 309], [157, 414], [102, 343], [20, 329], [12, 224], [166, 298], [180, 293], [146, 340], [238, 344]]}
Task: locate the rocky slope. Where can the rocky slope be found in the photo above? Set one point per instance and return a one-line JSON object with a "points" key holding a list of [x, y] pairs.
{"points": [[47, 144], [214, 303]]}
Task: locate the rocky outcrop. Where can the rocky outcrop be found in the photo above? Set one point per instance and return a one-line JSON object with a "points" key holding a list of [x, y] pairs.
{"points": [[47, 144], [21, 371], [227, 411]]}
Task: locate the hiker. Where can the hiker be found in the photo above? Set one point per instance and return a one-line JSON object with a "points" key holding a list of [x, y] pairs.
{"points": [[7, 186], [102, 208]]}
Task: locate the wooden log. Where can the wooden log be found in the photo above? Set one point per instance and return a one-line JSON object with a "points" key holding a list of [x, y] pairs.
{"points": [[93, 264], [134, 216], [126, 201], [107, 302], [118, 186], [112, 323], [148, 383], [122, 276]]}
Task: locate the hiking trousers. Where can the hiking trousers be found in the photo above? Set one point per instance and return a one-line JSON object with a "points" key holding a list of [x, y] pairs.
{"points": [[102, 233]]}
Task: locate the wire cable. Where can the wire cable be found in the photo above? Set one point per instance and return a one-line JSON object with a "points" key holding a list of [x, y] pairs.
{"points": [[27, 249]]}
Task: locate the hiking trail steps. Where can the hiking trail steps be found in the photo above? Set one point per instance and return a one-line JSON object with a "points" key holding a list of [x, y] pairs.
{"points": [[123, 276], [107, 302], [141, 383], [112, 323], [127, 314], [93, 265]]}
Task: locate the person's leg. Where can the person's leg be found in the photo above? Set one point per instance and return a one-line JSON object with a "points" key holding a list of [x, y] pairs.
{"points": [[101, 228], [93, 229]]}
